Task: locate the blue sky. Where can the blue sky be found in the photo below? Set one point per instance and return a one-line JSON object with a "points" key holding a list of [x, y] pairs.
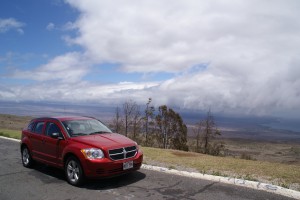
{"points": [[237, 57], [30, 44], [43, 25], [35, 15]]}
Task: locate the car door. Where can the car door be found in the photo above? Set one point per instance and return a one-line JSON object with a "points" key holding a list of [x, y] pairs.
{"points": [[53, 146], [36, 139]]}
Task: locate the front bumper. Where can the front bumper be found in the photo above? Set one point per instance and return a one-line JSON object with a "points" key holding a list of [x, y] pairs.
{"points": [[101, 168]]}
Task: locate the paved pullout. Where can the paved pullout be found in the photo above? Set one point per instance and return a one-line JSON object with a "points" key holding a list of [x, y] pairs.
{"points": [[44, 182]]}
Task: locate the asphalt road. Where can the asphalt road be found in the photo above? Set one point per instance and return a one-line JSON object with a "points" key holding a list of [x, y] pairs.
{"points": [[44, 182]]}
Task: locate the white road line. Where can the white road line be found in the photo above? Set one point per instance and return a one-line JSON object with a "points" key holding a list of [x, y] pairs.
{"points": [[12, 139]]}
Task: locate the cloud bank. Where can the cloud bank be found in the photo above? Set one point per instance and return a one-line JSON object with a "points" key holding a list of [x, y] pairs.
{"points": [[248, 50]]}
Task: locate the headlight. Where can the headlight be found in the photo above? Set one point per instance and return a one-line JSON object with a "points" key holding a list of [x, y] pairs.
{"points": [[137, 146], [93, 153]]}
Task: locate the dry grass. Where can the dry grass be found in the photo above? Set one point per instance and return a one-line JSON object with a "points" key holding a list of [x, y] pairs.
{"points": [[275, 173], [281, 152], [10, 133]]}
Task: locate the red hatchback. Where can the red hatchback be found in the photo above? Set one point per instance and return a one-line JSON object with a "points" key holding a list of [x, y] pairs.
{"points": [[82, 146]]}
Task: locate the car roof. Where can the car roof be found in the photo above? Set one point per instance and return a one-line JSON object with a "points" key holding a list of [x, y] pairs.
{"points": [[65, 118]]}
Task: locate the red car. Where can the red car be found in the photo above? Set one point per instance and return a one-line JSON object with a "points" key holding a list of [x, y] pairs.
{"points": [[82, 146]]}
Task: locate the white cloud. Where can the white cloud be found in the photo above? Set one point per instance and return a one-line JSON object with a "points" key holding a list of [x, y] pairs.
{"points": [[147, 36], [251, 49], [70, 67], [50, 26], [11, 23], [80, 91], [69, 26]]}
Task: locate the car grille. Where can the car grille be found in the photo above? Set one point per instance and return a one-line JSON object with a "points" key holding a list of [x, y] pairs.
{"points": [[122, 153]]}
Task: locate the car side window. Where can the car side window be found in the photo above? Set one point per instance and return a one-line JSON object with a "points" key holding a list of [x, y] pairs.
{"points": [[52, 128], [30, 126], [39, 127]]}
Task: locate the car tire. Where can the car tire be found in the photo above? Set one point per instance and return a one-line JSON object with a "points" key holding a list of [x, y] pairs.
{"points": [[27, 160], [74, 172]]}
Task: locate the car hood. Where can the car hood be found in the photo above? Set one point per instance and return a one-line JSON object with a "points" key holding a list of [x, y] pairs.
{"points": [[105, 140]]}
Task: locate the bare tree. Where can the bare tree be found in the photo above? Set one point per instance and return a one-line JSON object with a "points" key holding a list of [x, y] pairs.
{"points": [[129, 109], [117, 121], [149, 114], [197, 130], [209, 133], [136, 121]]}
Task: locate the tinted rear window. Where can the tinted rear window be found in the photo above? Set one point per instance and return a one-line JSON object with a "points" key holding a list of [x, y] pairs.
{"points": [[39, 127], [30, 126]]}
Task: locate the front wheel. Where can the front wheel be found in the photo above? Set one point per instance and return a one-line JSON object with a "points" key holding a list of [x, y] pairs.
{"points": [[73, 171], [26, 158]]}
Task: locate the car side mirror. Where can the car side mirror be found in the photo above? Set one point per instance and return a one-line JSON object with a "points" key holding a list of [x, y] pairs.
{"points": [[56, 136], [113, 130]]}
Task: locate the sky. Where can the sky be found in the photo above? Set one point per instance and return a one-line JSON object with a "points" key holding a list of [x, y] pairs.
{"points": [[235, 57]]}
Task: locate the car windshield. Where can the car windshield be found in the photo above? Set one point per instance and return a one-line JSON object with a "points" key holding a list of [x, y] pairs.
{"points": [[85, 127]]}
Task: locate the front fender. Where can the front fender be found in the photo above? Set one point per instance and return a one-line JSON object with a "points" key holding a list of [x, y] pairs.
{"points": [[75, 150], [25, 141]]}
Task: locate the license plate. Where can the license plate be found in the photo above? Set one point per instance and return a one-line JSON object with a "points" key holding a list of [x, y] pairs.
{"points": [[127, 165]]}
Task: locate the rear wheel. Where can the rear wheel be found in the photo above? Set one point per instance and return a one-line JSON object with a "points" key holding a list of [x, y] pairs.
{"points": [[26, 157], [73, 171]]}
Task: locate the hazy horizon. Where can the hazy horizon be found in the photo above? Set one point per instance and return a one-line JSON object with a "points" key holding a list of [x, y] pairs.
{"points": [[106, 113]]}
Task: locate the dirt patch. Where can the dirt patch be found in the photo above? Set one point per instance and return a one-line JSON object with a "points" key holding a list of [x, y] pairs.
{"points": [[183, 154], [13, 122]]}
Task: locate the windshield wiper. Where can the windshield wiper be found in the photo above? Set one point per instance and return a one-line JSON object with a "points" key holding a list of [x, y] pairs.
{"points": [[98, 132], [78, 134]]}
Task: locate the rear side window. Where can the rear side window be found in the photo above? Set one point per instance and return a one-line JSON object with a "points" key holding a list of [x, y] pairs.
{"points": [[39, 127], [30, 126], [52, 128]]}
